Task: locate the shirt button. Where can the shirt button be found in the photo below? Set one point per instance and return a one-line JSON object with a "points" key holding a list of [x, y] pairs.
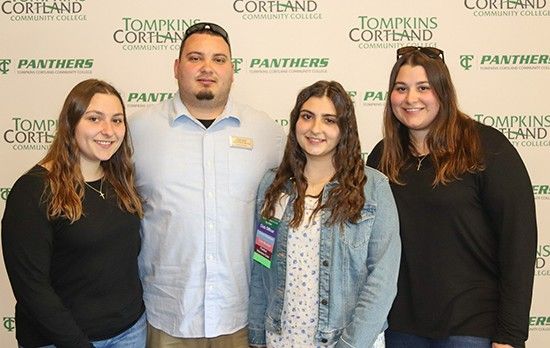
{"points": [[325, 263], [324, 302]]}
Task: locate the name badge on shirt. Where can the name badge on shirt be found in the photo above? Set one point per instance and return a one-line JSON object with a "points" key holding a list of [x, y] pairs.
{"points": [[241, 142]]}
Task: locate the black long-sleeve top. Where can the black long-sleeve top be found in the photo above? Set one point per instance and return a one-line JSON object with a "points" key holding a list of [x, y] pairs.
{"points": [[469, 247], [73, 283]]}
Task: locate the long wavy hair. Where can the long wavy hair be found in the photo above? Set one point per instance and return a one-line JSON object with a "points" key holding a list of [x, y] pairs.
{"points": [[347, 198], [453, 139], [65, 184]]}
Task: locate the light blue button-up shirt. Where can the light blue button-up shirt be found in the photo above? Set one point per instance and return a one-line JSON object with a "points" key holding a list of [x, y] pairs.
{"points": [[199, 186]]}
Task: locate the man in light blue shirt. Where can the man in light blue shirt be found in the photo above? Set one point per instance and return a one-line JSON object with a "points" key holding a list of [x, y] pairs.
{"points": [[199, 159]]}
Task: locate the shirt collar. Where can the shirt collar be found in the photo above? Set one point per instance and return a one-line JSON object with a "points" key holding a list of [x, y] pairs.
{"points": [[179, 110]]}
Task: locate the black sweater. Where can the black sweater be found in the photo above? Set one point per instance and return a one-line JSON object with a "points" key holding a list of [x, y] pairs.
{"points": [[468, 248], [74, 283]]}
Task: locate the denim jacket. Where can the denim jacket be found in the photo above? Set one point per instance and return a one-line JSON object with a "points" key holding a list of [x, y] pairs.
{"points": [[358, 268]]}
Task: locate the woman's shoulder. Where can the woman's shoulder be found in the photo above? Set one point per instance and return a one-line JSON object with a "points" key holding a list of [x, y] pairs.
{"points": [[493, 142], [375, 175], [28, 186], [490, 135], [267, 179], [33, 178], [375, 155], [269, 176], [376, 181]]}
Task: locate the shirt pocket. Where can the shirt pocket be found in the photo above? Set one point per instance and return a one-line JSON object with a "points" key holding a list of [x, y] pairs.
{"points": [[245, 169], [356, 235]]}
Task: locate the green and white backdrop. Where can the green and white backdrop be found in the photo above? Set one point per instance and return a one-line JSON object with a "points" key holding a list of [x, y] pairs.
{"points": [[497, 50]]}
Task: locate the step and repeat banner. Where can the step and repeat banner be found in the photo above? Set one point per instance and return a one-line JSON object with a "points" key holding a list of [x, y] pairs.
{"points": [[498, 53]]}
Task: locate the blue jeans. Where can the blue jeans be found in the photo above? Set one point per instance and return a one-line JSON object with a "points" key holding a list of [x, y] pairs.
{"points": [[134, 337], [396, 339]]}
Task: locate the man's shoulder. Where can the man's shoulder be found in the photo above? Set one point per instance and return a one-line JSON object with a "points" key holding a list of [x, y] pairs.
{"points": [[250, 113], [258, 121], [159, 110]]}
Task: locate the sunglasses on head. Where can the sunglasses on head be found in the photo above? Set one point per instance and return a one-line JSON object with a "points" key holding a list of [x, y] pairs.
{"points": [[431, 52], [204, 26]]}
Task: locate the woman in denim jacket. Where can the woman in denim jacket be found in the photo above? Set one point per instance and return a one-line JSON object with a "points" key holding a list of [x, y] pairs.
{"points": [[327, 244]]}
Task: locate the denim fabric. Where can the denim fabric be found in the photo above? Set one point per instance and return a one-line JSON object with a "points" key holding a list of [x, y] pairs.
{"points": [[396, 339], [134, 337], [357, 272]]}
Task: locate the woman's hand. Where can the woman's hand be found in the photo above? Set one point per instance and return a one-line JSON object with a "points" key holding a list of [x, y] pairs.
{"points": [[501, 345]]}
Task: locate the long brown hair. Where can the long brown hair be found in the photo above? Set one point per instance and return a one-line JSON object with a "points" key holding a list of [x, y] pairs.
{"points": [[453, 139], [347, 198], [65, 183]]}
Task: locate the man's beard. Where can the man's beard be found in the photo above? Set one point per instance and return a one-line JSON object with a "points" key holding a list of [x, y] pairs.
{"points": [[205, 95]]}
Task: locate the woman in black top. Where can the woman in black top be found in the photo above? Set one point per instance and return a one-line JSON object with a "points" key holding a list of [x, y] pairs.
{"points": [[70, 232], [467, 216]]}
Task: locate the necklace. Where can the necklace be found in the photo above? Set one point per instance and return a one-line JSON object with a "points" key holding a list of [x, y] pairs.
{"points": [[317, 195], [420, 159], [100, 191]]}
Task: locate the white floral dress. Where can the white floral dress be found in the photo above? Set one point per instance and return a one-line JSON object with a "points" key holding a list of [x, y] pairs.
{"points": [[301, 301]]}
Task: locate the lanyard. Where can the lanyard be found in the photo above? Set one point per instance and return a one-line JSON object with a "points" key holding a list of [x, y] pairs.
{"points": [[266, 234]]}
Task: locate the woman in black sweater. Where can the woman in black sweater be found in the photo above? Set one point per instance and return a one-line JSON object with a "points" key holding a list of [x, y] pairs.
{"points": [[467, 216], [70, 232]]}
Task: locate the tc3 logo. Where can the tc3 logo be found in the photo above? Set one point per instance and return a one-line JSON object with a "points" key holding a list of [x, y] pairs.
{"points": [[465, 61], [9, 323], [4, 66]]}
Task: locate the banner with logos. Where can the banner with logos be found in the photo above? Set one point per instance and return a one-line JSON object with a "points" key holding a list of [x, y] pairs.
{"points": [[498, 53]]}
